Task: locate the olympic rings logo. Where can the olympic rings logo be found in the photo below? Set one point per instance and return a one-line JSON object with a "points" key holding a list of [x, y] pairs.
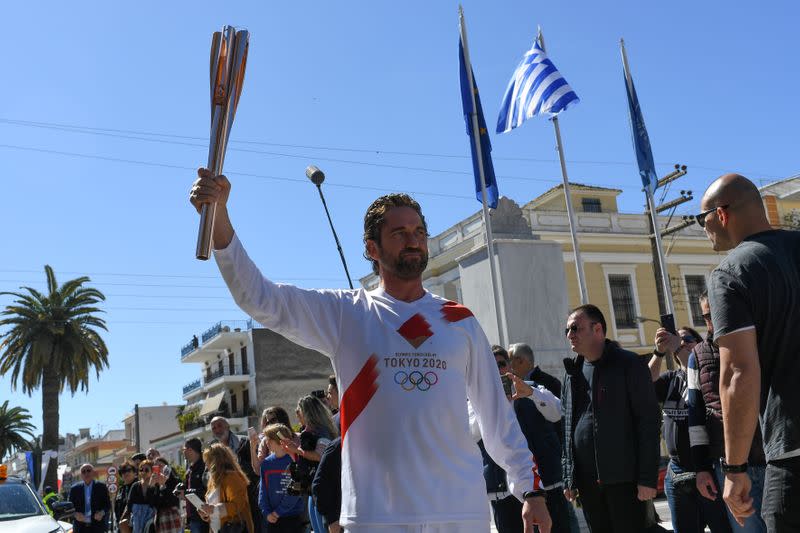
{"points": [[416, 380]]}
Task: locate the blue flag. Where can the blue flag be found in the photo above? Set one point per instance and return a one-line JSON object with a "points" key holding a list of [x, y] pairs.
{"points": [[483, 134], [641, 141], [31, 466]]}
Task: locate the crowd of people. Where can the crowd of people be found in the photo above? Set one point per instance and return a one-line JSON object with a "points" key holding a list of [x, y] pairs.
{"points": [[423, 410], [261, 483], [592, 438]]}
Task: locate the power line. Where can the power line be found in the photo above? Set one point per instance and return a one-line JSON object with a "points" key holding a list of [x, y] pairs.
{"points": [[150, 275], [232, 173], [376, 151]]}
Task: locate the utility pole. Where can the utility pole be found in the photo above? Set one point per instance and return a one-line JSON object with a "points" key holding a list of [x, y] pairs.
{"points": [[685, 196], [136, 419]]}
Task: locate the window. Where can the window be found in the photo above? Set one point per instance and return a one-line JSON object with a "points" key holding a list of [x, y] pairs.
{"points": [[695, 285], [622, 300], [244, 360], [591, 205]]}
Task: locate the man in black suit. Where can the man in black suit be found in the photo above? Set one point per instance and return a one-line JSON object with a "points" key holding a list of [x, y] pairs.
{"points": [[91, 501]]}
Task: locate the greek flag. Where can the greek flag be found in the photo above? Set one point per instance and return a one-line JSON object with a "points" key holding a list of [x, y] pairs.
{"points": [[536, 88]]}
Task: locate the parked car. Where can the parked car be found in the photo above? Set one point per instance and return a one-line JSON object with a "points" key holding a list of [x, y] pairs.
{"points": [[22, 511]]}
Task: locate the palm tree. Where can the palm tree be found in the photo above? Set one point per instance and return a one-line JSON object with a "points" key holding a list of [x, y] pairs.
{"points": [[53, 343], [14, 426]]}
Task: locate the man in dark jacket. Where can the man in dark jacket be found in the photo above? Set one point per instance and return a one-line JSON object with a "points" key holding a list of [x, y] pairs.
{"points": [[327, 485], [92, 502], [195, 482], [611, 427]]}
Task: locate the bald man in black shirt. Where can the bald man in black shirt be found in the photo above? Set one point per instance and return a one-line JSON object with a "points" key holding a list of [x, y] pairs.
{"points": [[755, 308]]}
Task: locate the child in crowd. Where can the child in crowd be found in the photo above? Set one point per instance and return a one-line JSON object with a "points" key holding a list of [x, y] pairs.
{"points": [[281, 510]]}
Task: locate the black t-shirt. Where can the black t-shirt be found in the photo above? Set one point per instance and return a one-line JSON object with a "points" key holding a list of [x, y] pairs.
{"points": [[758, 285], [585, 458], [672, 391]]}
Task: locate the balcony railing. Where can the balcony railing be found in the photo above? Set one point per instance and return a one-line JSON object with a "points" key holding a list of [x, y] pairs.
{"points": [[194, 385], [217, 373], [213, 331], [226, 325], [187, 349]]}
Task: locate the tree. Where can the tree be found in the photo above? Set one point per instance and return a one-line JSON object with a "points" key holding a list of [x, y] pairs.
{"points": [[53, 343], [792, 219], [15, 425]]}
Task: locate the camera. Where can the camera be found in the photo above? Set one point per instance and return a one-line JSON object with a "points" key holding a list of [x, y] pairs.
{"points": [[319, 394], [302, 474]]}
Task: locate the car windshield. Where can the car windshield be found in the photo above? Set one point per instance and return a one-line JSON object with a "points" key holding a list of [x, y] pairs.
{"points": [[17, 501]]}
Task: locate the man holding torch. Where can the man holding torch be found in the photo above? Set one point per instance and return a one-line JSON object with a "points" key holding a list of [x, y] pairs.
{"points": [[404, 359]]}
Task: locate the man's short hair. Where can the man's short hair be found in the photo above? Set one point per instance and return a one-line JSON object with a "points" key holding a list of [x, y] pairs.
{"points": [[194, 444], [499, 350], [376, 215], [593, 313], [523, 350]]}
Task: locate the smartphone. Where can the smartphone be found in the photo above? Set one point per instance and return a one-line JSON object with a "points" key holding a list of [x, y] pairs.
{"points": [[668, 323], [156, 469], [507, 386], [166, 470], [251, 432]]}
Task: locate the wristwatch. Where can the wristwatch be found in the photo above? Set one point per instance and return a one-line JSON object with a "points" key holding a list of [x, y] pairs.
{"points": [[733, 469], [532, 494], [658, 354]]}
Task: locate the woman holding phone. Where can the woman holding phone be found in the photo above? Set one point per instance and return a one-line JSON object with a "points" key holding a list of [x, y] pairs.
{"points": [[318, 432], [162, 497], [227, 506]]}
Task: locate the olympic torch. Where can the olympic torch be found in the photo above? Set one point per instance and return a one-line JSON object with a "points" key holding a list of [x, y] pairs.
{"points": [[228, 61]]}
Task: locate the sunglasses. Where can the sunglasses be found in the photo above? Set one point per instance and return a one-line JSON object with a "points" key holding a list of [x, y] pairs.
{"points": [[86, 471], [502, 364], [144, 470], [688, 338], [272, 420], [701, 218], [574, 328]]}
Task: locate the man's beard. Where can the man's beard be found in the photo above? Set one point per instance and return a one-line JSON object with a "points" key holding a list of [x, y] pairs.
{"points": [[407, 269]]}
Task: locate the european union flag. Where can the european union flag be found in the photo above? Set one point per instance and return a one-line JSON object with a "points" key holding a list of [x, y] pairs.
{"points": [[641, 141], [467, 90]]}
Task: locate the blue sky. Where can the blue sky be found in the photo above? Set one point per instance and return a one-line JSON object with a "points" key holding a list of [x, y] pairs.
{"points": [[368, 91]]}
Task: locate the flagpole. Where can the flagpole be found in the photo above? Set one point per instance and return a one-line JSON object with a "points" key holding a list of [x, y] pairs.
{"points": [[568, 198], [651, 206], [497, 287]]}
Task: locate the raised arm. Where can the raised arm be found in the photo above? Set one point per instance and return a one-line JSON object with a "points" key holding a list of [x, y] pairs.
{"points": [[308, 317]]}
